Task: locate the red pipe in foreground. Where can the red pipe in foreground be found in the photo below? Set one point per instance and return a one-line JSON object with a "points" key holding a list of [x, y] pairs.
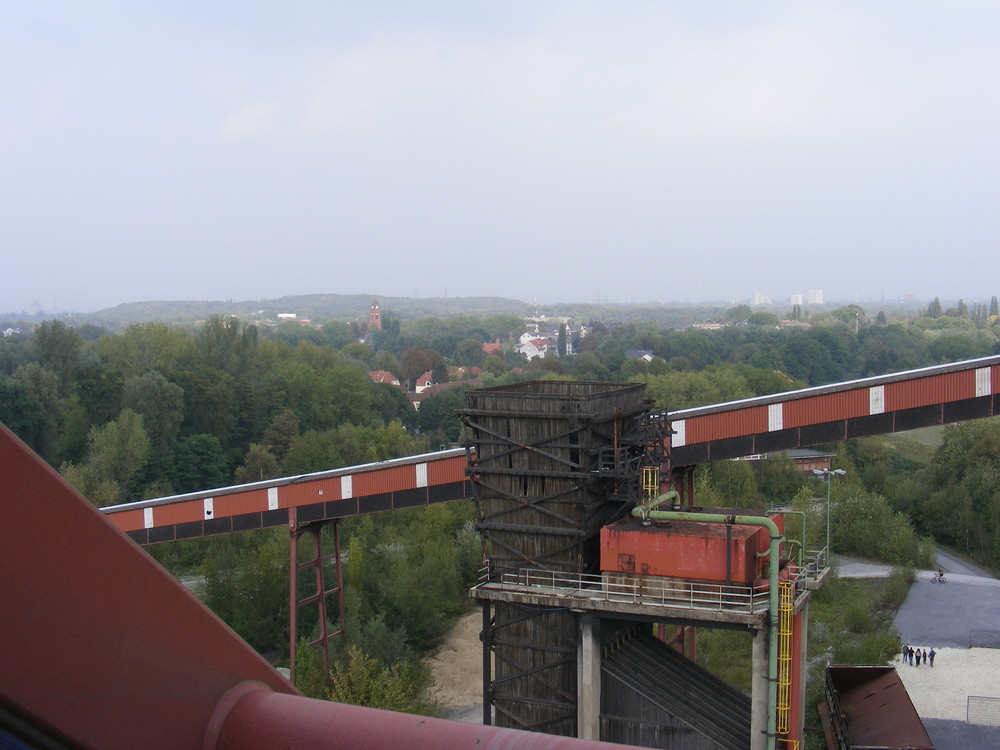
{"points": [[251, 717]]}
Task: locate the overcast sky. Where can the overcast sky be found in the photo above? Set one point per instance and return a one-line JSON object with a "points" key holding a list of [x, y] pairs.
{"points": [[544, 151]]}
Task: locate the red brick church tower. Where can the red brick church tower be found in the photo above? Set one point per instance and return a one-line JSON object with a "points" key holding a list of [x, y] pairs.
{"points": [[375, 317]]}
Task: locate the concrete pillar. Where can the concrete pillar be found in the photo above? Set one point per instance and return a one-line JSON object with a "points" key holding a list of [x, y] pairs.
{"points": [[588, 678], [758, 691]]}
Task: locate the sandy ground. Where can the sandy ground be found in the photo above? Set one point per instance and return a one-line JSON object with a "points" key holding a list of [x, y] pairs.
{"points": [[457, 667], [941, 691]]}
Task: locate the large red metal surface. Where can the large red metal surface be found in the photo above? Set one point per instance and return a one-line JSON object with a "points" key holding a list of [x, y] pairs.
{"points": [[685, 549], [261, 720], [101, 648], [96, 639]]}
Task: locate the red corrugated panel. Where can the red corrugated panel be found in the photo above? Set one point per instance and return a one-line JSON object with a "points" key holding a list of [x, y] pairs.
{"points": [[726, 424], [935, 389], [829, 407], [183, 512], [239, 503], [309, 492], [995, 379], [385, 480], [446, 471], [128, 520]]}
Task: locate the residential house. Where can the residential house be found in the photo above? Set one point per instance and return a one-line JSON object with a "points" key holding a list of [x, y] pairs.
{"points": [[383, 376]]}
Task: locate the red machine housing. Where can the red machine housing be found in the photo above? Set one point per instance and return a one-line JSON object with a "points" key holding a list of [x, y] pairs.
{"points": [[716, 552]]}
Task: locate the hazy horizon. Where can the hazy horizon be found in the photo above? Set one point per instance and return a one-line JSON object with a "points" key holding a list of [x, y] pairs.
{"points": [[556, 152]]}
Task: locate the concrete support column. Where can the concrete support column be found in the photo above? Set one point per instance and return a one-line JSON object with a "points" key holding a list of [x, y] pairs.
{"points": [[758, 691], [588, 678]]}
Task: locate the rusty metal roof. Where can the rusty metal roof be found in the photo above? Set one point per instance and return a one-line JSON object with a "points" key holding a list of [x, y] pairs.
{"points": [[878, 709]]}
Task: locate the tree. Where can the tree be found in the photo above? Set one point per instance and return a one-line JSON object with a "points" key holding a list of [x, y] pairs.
{"points": [[116, 454], [469, 352], [161, 405], [495, 365], [934, 308], [227, 344], [246, 584], [201, 464], [22, 413], [739, 313], [58, 348], [561, 340], [364, 681], [391, 403], [258, 464], [384, 360], [436, 415], [281, 433], [361, 352], [994, 307], [415, 362]]}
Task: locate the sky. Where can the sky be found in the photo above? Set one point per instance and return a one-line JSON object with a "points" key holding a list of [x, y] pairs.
{"points": [[550, 152]]}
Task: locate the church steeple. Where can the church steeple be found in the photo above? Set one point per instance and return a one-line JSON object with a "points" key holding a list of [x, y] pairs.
{"points": [[375, 317]]}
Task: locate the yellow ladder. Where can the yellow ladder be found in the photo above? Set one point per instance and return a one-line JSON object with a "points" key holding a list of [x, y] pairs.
{"points": [[785, 602], [650, 482]]}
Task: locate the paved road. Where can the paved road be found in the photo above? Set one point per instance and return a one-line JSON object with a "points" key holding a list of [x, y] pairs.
{"points": [[950, 617]]}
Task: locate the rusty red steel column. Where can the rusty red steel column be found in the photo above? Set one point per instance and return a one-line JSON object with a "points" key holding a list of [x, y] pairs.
{"points": [[254, 718], [321, 594]]}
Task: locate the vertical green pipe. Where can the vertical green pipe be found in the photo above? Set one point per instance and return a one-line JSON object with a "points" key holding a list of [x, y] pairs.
{"points": [[802, 513], [645, 511]]}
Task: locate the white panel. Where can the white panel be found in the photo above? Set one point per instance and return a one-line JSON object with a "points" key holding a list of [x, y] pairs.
{"points": [[147, 518], [775, 417], [421, 475], [209, 508], [983, 385], [272, 498], [876, 399], [678, 438], [345, 487]]}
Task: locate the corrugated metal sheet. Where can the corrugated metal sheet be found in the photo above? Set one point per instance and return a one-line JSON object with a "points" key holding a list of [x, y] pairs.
{"points": [[826, 408], [241, 502], [307, 493], [131, 520], [446, 471], [168, 515], [726, 424], [937, 389], [384, 480], [895, 377]]}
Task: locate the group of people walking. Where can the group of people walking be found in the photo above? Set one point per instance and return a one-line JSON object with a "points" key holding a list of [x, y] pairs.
{"points": [[914, 656]]}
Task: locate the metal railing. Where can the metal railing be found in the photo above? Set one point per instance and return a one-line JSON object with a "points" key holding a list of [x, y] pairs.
{"points": [[659, 591], [981, 709], [625, 588]]}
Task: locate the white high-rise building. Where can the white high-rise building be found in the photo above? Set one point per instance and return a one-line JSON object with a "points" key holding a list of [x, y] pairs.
{"points": [[815, 296], [795, 299]]}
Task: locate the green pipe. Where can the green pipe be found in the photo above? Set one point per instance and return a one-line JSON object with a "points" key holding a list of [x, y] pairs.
{"points": [[645, 512], [658, 500], [802, 513]]}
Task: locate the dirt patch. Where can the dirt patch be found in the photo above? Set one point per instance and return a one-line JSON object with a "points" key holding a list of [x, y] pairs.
{"points": [[457, 667]]}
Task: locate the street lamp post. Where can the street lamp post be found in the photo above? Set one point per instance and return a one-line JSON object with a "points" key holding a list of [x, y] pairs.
{"points": [[828, 473]]}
